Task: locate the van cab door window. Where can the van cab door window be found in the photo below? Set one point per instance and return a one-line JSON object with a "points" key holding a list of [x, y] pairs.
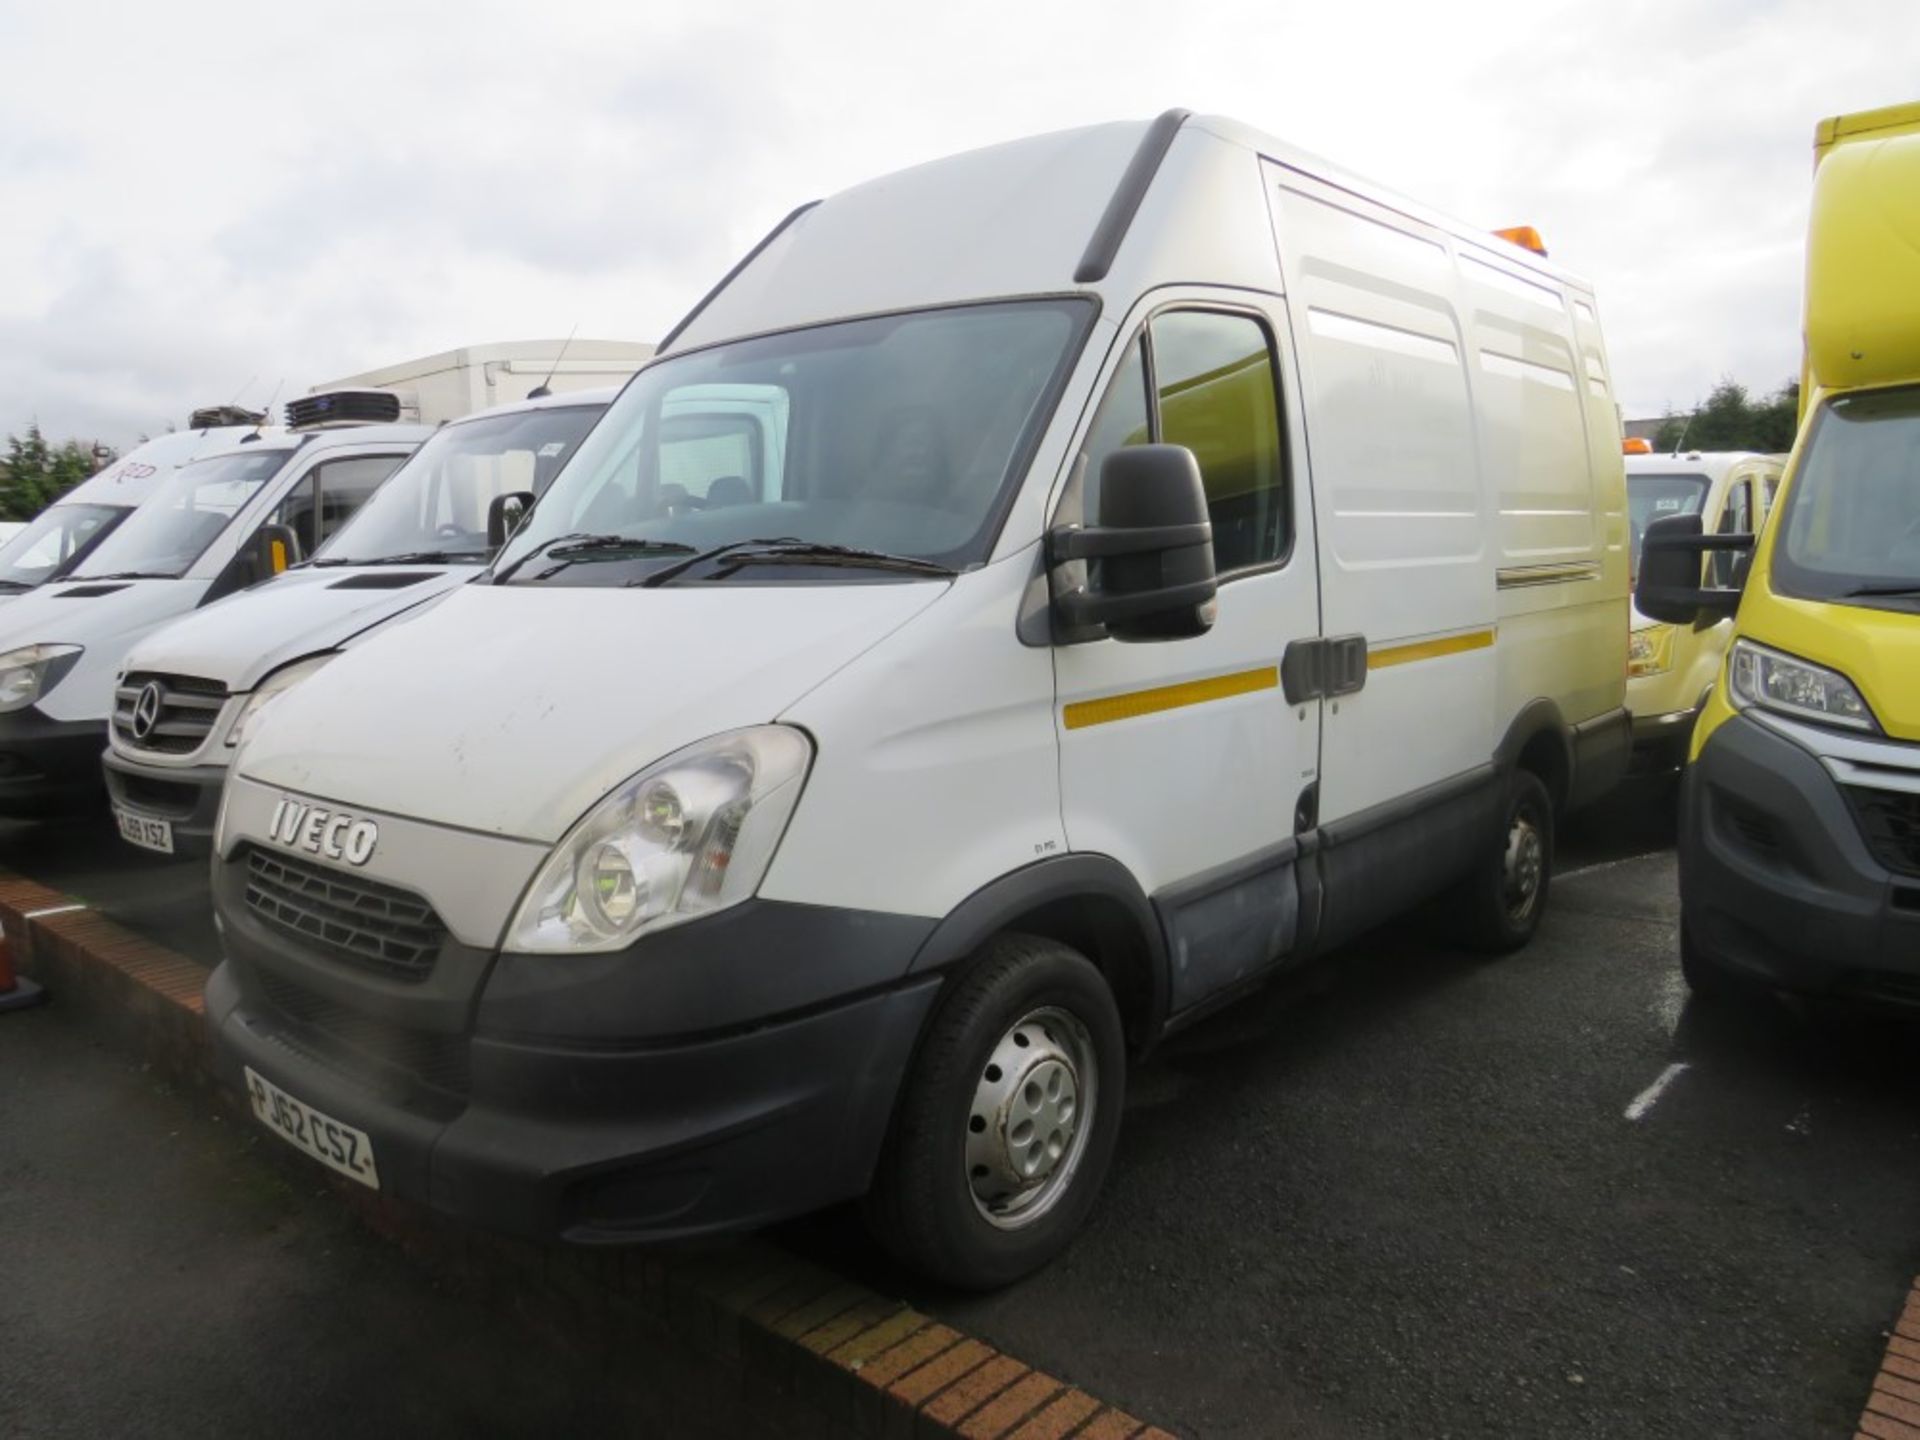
{"points": [[1736, 518], [1207, 380], [295, 511]]}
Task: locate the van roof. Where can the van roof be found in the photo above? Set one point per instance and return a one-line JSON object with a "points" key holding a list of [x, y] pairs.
{"points": [[1180, 198], [1711, 463], [601, 395]]}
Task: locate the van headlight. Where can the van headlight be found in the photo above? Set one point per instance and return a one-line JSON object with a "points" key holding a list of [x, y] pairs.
{"points": [[686, 837], [271, 689], [1770, 680], [1650, 651], [31, 671]]}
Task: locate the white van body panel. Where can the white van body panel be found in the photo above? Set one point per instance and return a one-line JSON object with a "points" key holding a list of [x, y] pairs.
{"points": [[109, 624], [471, 692], [455, 383]]}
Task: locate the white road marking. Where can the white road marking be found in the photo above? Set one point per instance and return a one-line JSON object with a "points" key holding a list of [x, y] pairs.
{"points": [[50, 910], [1647, 1098], [1600, 865]]}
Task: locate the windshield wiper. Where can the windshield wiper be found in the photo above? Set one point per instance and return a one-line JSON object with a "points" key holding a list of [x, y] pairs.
{"points": [[406, 557], [788, 550], [125, 575], [14, 585], [587, 544], [1886, 590]]}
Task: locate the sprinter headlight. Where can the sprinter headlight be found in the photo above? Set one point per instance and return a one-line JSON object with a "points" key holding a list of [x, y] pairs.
{"points": [[1772, 681], [31, 671], [1650, 651], [689, 836], [272, 688]]}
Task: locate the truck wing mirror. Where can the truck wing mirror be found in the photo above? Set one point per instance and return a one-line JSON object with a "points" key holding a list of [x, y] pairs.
{"points": [[1669, 586], [504, 514], [275, 547], [1149, 570]]}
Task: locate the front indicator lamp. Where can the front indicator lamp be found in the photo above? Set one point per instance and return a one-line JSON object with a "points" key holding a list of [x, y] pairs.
{"points": [[1650, 651], [687, 837]]}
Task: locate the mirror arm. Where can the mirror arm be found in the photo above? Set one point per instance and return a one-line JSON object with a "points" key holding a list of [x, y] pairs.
{"points": [[1081, 607], [1075, 542]]}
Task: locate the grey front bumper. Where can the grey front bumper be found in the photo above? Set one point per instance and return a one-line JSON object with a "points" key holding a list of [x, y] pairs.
{"points": [[186, 796]]}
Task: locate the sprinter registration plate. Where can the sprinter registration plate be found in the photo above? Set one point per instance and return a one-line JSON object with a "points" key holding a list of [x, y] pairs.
{"points": [[331, 1143], [147, 834]]}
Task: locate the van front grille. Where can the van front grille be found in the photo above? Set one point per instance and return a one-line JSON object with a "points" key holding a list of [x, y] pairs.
{"points": [[377, 927], [176, 720], [1890, 821]]}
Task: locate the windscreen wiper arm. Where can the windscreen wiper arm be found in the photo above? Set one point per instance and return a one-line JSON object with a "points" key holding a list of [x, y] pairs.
{"points": [[586, 542], [124, 575], [1888, 590], [853, 556]]}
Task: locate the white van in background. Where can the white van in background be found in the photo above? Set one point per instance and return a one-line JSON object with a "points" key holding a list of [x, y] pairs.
{"points": [[186, 693], [1670, 668], [212, 527], [60, 537], [459, 382], [1182, 556]]}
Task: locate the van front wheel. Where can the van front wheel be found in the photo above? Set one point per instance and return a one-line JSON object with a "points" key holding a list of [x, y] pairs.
{"points": [[1499, 904], [1008, 1120]]}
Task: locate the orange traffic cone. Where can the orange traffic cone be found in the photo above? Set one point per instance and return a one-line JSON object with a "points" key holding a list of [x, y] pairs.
{"points": [[16, 991]]}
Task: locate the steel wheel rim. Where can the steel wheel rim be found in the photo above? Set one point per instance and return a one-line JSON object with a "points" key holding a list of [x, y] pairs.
{"points": [[1032, 1110], [1523, 867]]}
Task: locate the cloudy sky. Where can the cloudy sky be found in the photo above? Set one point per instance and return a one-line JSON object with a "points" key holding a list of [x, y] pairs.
{"points": [[202, 201]]}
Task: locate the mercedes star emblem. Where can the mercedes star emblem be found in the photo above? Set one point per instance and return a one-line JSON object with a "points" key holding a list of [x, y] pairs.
{"points": [[146, 710]]}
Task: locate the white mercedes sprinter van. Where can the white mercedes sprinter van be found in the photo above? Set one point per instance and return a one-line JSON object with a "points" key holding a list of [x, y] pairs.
{"points": [[430, 527], [59, 539], [213, 527], [1181, 556]]}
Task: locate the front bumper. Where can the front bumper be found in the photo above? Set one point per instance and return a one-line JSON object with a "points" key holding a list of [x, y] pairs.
{"points": [[512, 1093], [186, 796], [1779, 881], [47, 766]]}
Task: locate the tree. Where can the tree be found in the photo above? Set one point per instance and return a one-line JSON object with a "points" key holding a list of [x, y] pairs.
{"points": [[1728, 419], [35, 474]]}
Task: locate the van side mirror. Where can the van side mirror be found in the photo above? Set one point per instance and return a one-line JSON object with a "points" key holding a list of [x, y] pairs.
{"points": [[1150, 572], [1669, 587], [275, 547], [504, 514]]}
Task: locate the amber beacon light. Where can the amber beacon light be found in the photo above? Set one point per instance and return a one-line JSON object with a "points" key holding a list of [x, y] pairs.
{"points": [[1526, 237]]}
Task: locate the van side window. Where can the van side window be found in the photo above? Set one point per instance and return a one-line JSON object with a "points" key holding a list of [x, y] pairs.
{"points": [[344, 488], [1212, 390]]}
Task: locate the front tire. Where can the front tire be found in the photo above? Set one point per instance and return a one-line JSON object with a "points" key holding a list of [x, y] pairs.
{"points": [[1008, 1120], [1499, 905]]}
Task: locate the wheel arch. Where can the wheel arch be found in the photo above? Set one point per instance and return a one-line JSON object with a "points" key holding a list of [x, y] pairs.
{"points": [[1539, 739]]}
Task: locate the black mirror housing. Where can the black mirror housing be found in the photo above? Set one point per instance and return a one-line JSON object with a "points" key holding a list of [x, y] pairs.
{"points": [[1150, 559], [504, 514], [1669, 587]]}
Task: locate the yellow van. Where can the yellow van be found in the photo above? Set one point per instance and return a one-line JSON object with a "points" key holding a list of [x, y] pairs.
{"points": [[1800, 812], [1670, 668]]}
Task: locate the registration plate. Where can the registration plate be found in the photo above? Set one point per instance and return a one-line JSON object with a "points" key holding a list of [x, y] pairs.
{"points": [[327, 1140], [147, 834]]}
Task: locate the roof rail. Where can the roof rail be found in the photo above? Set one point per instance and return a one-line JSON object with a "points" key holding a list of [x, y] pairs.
{"points": [[1132, 189], [728, 278]]}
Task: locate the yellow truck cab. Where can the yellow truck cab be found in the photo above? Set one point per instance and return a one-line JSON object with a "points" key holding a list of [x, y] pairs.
{"points": [[1800, 810], [1670, 668]]}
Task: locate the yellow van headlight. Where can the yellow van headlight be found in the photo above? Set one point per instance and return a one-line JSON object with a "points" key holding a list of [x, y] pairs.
{"points": [[1650, 651], [1769, 680]]}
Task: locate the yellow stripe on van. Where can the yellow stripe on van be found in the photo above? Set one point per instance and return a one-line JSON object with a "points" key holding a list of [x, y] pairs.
{"points": [[1428, 649], [1082, 713]]}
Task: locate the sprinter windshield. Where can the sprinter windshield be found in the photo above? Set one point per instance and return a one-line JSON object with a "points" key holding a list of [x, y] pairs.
{"points": [[1655, 497], [177, 523], [56, 536], [1851, 530], [435, 506], [899, 435]]}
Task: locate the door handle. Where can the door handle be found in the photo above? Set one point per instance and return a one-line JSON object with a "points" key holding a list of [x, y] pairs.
{"points": [[1323, 667]]}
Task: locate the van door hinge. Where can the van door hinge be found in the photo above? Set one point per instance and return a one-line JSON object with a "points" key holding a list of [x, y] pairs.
{"points": [[1323, 668]]}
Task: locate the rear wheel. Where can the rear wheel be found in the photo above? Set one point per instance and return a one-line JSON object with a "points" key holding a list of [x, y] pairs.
{"points": [[1499, 904], [1008, 1119]]}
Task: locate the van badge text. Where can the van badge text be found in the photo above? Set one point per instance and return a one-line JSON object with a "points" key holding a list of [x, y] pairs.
{"points": [[323, 832]]}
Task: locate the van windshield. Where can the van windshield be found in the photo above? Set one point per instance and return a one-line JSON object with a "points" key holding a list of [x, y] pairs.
{"points": [[1851, 529], [436, 504], [176, 524], [1655, 497], [51, 540], [899, 434]]}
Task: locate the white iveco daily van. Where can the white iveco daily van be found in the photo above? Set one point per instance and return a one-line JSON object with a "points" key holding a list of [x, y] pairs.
{"points": [[1181, 556], [213, 527], [429, 528]]}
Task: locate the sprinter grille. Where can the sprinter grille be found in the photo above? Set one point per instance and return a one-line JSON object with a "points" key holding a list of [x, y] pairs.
{"points": [[1890, 821], [377, 927], [337, 1036], [188, 708]]}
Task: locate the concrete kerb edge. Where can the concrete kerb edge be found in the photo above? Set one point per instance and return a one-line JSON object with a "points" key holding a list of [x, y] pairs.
{"points": [[798, 1336]]}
